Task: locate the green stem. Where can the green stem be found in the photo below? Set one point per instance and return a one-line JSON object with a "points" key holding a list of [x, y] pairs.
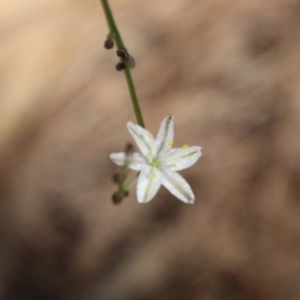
{"points": [[128, 184], [114, 32], [134, 99]]}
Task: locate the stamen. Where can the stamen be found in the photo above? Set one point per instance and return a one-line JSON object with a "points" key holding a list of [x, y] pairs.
{"points": [[185, 146], [171, 143]]}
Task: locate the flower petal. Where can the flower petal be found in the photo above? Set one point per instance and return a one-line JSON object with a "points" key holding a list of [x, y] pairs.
{"points": [[177, 186], [143, 139], [118, 158], [165, 137], [181, 158], [135, 161], [149, 182]]}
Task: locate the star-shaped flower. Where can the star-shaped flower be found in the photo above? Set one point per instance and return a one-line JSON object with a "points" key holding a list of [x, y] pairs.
{"points": [[158, 162]]}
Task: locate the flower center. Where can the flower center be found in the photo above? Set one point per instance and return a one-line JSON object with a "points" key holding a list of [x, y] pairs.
{"points": [[155, 163]]}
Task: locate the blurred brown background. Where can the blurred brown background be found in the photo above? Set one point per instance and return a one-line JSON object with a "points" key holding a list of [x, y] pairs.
{"points": [[228, 70]]}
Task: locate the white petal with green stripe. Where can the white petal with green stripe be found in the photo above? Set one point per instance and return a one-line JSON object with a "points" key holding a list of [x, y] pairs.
{"points": [[149, 182], [135, 161], [182, 158], [177, 186], [143, 139], [165, 137]]}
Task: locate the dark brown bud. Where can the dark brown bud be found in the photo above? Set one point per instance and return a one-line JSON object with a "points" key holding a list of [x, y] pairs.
{"points": [[120, 66], [117, 198], [109, 44], [123, 54], [117, 178], [129, 149], [126, 58]]}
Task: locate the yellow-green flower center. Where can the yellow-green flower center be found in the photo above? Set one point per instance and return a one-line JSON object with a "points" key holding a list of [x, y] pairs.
{"points": [[155, 163]]}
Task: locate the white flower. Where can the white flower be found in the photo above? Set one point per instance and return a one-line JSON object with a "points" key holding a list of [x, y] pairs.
{"points": [[158, 162]]}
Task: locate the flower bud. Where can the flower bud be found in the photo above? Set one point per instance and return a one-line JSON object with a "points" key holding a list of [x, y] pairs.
{"points": [[117, 198], [116, 178], [108, 43], [120, 66], [126, 58]]}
